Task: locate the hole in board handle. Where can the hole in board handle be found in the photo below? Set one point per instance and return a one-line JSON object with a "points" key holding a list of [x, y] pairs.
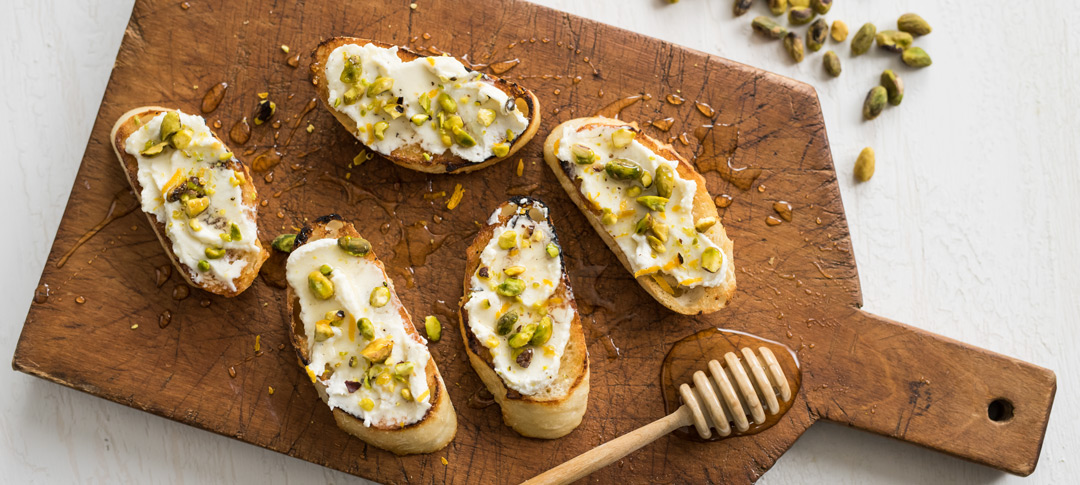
{"points": [[1000, 410]]}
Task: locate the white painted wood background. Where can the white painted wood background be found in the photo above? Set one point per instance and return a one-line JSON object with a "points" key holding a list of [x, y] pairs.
{"points": [[969, 228]]}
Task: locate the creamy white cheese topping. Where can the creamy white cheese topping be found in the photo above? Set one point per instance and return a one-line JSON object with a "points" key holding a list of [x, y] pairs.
{"points": [[542, 276], [191, 236], [381, 403], [470, 90], [604, 192]]}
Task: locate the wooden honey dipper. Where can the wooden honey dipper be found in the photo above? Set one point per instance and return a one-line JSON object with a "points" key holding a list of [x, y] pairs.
{"points": [[748, 388]]}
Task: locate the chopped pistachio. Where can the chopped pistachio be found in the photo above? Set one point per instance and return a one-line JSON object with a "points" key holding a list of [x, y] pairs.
{"points": [[378, 350], [320, 285], [711, 259], [522, 338], [379, 130], [510, 287], [704, 223], [366, 328], [380, 296], [447, 103], [508, 240], [552, 250], [485, 116], [326, 269], [583, 155], [379, 86], [419, 119], [204, 265], [622, 137], [433, 327], [543, 332], [323, 330], [284, 243], [214, 253], [506, 322]]}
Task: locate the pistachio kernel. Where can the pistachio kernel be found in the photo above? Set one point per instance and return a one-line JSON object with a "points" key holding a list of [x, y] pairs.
{"points": [[778, 7], [506, 322], [608, 218], [633, 191], [622, 137], [378, 350], [552, 250], [543, 332], [822, 7], [154, 149], [522, 337], [653, 202], [284, 243], [875, 102], [355, 246], [447, 103], [419, 119], [353, 361], [582, 154], [794, 46], [767, 27], [894, 40], [485, 116], [864, 165], [500, 149], [463, 138], [379, 86], [643, 224], [181, 139], [817, 34], [656, 244], [832, 63], [508, 240], [665, 181], [510, 287], [379, 130], [741, 6], [170, 124], [214, 253], [352, 95], [916, 57], [335, 316], [894, 86], [204, 265], [234, 232], [514, 270], [660, 230], [406, 394], [913, 24], [326, 269], [366, 328], [800, 15], [380, 296], [264, 111], [425, 103], [320, 285], [704, 224], [402, 370], [323, 330], [433, 327], [863, 39], [646, 179], [352, 70], [839, 31], [196, 205], [623, 169], [711, 260]]}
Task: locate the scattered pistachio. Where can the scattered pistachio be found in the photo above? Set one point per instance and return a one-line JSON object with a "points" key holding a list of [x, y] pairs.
{"points": [[380, 296], [378, 350], [643, 224], [582, 154], [508, 240], [181, 139], [352, 95], [336, 317], [196, 205], [778, 7], [523, 357], [214, 253], [500, 149], [913, 24], [646, 179], [433, 327], [839, 30], [704, 223], [323, 330], [665, 181], [863, 39], [832, 63], [406, 394], [894, 86], [402, 370], [320, 285], [510, 287], [794, 45], [485, 116], [608, 218], [543, 332], [552, 250], [284, 243], [633, 191], [821, 6], [379, 130], [170, 124], [522, 337], [463, 138], [326, 269], [799, 3], [656, 244], [514, 270], [380, 85], [817, 34], [800, 15], [622, 169], [874, 103], [264, 111], [767, 27], [234, 232], [506, 322], [204, 265], [355, 246], [916, 57], [154, 149], [894, 40], [741, 6], [864, 165], [622, 137], [366, 328], [352, 70], [353, 362], [653, 202], [659, 230], [447, 103], [711, 259], [419, 119], [366, 403]]}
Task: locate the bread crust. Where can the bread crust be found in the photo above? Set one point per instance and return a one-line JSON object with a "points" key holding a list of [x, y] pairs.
{"points": [[699, 300], [532, 416], [123, 128], [438, 426], [411, 156]]}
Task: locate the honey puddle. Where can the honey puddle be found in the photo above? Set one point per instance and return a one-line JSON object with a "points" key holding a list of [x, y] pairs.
{"points": [[718, 144], [663, 124], [498, 68], [240, 132], [612, 110], [110, 215], [412, 250], [693, 353], [213, 97]]}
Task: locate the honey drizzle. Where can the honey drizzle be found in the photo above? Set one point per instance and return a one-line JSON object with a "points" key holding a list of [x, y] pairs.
{"points": [[110, 215]]}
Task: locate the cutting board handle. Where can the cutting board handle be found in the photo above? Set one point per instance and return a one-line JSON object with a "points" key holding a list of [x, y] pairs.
{"points": [[930, 390]]}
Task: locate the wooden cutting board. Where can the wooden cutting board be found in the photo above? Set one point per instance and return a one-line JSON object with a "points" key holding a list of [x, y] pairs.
{"points": [[108, 321]]}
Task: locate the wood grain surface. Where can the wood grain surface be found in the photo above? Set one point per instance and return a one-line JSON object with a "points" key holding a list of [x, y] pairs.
{"points": [[797, 280]]}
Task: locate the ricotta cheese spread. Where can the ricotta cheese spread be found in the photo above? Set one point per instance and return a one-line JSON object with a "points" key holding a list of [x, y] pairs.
{"points": [[514, 309], [434, 102], [358, 346], [188, 185], [644, 204]]}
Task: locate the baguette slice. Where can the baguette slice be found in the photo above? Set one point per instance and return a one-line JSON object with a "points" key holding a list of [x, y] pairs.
{"points": [[554, 409], [252, 255], [682, 299], [412, 155], [438, 425]]}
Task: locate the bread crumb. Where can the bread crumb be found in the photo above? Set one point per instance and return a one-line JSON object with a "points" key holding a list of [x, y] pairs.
{"points": [[271, 390]]}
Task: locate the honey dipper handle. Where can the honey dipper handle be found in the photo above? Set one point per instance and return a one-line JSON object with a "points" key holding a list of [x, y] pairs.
{"points": [[606, 454], [912, 385]]}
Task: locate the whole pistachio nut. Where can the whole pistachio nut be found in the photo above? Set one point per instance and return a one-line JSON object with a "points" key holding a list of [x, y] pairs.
{"points": [[741, 6], [864, 165], [664, 180], [379, 297], [447, 103], [821, 6], [320, 285], [800, 15], [711, 259], [323, 330], [653, 202], [704, 224], [170, 124], [284, 243], [355, 246], [583, 155], [913, 24], [832, 63], [893, 85], [644, 224], [522, 337], [543, 332], [778, 7], [875, 102], [204, 265], [656, 244], [794, 45], [214, 253], [622, 137], [817, 34], [366, 328], [510, 287], [402, 370], [463, 138], [623, 169], [506, 322], [352, 70], [380, 85], [863, 39], [378, 350], [839, 31], [916, 57], [799, 3], [767, 27], [894, 40]]}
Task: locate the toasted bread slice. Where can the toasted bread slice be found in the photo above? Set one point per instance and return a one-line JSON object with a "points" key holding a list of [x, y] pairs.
{"points": [[537, 400], [233, 264], [700, 291], [437, 157], [422, 422]]}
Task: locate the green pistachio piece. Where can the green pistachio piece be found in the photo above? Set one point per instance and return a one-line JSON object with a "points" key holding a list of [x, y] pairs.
{"points": [[817, 34], [170, 124], [608, 218], [778, 7], [767, 27], [425, 103], [433, 327], [284, 243], [894, 86], [379, 86], [875, 102], [582, 154], [355, 246], [800, 15], [379, 130], [665, 181], [181, 139], [622, 137], [832, 63], [822, 7], [864, 165], [419, 119], [194, 206], [326, 269], [214, 253], [447, 103], [522, 338], [402, 370], [839, 31], [794, 46], [352, 70], [323, 331], [913, 24], [863, 39], [380, 296], [366, 328], [406, 394], [543, 332], [659, 230], [653, 202], [204, 265], [234, 232], [711, 259], [463, 138], [154, 149], [352, 95], [633, 191], [500, 149], [704, 224], [506, 322], [646, 179], [916, 57], [508, 240], [510, 287], [378, 350], [623, 169], [552, 250], [320, 285], [894, 40], [656, 244], [741, 6], [485, 116], [643, 224]]}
